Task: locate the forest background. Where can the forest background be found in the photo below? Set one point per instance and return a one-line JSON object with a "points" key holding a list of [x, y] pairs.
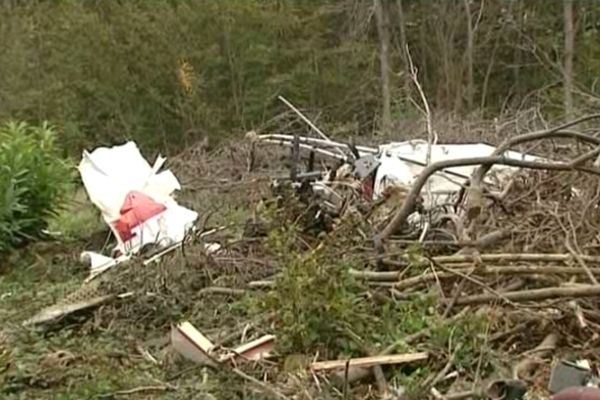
{"points": [[170, 73]]}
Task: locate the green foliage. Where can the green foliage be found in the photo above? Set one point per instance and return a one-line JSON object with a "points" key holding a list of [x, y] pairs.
{"points": [[33, 182], [317, 301], [321, 307], [168, 73], [78, 219]]}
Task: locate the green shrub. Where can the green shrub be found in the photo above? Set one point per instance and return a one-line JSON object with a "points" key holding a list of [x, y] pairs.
{"points": [[318, 304], [34, 180]]}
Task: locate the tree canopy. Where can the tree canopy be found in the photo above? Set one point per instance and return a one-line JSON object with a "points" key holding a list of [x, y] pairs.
{"points": [[167, 73]]}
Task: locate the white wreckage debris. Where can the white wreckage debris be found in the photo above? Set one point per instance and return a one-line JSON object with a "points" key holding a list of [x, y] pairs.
{"points": [[190, 343], [136, 202], [377, 171], [401, 163]]}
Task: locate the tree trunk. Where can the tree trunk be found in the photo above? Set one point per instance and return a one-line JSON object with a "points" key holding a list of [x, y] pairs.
{"points": [[569, 50], [518, 53], [384, 60], [403, 45], [470, 79]]}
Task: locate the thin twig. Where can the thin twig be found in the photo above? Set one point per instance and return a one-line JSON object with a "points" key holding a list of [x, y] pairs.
{"points": [[431, 136], [309, 122], [223, 290], [258, 383], [417, 281], [434, 380], [162, 388], [458, 288], [581, 263], [516, 257], [346, 380], [472, 280]]}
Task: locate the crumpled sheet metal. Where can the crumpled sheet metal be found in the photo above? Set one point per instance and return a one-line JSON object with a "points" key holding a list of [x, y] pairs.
{"points": [[397, 170]]}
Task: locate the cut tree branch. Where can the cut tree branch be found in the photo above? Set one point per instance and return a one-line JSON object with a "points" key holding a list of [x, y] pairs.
{"points": [[535, 294], [417, 281]]}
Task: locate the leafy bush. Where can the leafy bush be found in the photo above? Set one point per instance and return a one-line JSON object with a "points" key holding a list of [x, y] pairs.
{"points": [[318, 304], [34, 179]]}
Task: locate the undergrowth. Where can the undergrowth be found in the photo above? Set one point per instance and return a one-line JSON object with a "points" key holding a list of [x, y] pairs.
{"points": [[34, 181], [319, 305], [321, 309]]}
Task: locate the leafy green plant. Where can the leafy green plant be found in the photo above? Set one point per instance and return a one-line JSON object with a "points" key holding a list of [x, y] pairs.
{"points": [[34, 179], [318, 303]]}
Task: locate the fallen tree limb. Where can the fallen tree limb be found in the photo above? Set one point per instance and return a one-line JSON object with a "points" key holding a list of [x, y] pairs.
{"points": [[390, 276], [258, 383], [410, 202], [524, 368], [535, 294], [581, 263], [463, 395], [308, 122], [473, 195], [261, 284], [308, 147], [162, 388], [515, 257], [468, 277], [433, 380], [492, 257], [313, 141], [489, 240], [552, 133]]}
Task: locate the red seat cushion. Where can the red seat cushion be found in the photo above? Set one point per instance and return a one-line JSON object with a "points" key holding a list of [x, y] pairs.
{"points": [[137, 208]]}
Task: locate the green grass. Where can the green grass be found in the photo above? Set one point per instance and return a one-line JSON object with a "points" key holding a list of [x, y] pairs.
{"points": [[79, 220], [104, 361]]}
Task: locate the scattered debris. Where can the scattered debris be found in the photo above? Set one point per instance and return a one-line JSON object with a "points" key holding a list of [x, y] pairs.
{"points": [[491, 255], [57, 311], [378, 172], [192, 344], [135, 198], [567, 374], [578, 393], [136, 202], [258, 349]]}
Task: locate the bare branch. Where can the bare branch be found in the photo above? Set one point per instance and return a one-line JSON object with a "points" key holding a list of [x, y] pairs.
{"points": [[408, 207], [535, 294]]}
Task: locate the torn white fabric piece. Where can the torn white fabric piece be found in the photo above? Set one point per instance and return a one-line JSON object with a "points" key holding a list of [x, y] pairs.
{"points": [[135, 199]]}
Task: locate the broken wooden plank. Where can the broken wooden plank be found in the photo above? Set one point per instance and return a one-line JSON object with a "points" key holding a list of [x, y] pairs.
{"points": [[192, 344], [56, 312], [254, 350], [369, 361]]}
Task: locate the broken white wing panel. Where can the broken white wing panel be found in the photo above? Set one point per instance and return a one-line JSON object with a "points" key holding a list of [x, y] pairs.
{"points": [[396, 169]]}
